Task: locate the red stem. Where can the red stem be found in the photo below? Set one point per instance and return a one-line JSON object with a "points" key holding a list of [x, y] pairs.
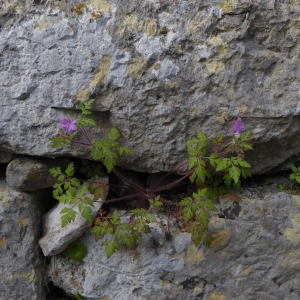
{"points": [[128, 182], [165, 187]]}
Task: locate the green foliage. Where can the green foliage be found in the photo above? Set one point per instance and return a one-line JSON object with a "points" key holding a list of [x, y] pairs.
{"points": [[296, 174], [91, 169], [196, 216], [282, 187], [76, 251], [213, 165], [78, 296], [86, 107], [107, 150]]}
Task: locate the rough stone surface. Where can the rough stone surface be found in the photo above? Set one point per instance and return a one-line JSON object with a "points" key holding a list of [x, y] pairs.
{"points": [[32, 174], [254, 255], [21, 260], [5, 157], [159, 71], [56, 239]]}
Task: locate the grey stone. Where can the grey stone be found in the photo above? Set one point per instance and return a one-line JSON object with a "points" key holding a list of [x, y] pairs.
{"points": [[160, 72], [56, 239], [5, 157], [22, 264], [32, 174], [253, 256]]}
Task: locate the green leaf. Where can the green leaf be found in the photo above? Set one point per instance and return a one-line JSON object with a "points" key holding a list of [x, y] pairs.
{"points": [[227, 180], [208, 240], [124, 150], [115, 220], [192, 162], [75, 182], [70, 169], [111, 247], [113, 134], [78, 296], [87, 122], [211, 206], [69, 215], [245, 136], [234, 173], [100, 229], [55, 171], [127, 240], [197, 237], [223, 164], [294, 169], [82, 192], [86, 211], [243, 163], [58, 142]]}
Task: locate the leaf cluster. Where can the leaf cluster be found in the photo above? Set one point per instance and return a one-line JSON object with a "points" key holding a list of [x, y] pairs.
{"points": [[122, 233], [296, 174], [196, 216], [108, 150]]}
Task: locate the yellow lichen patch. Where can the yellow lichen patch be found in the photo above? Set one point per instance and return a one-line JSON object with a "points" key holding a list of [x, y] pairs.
{"points": [[222, 255], [84, 95], [9, 4], [228, 5], [9, 277], [220, 239], [136, 67], [2, 242], [293, 234], [28, 276], [148, 26], [100, 5], [243, 110], [215, 66], [131, 20], [222, 46], [157, 66], [103, 70], [294, 3], [164, 284], [193, 255], [22, 222], [121, 31], [197, 22], [5, 199], [296, 200], [44, 24], [245, 272], [217, 296], [197, 291], [217, 223], [291, 260], [106, 298]]}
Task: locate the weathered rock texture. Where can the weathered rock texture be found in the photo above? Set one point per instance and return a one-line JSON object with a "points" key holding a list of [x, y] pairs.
{"points": [[22, 263], [254, 255], [159, 71], [30, 174]]}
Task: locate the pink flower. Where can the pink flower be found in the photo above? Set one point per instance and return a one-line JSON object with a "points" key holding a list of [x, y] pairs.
{"points": [[68, 124], [238, 126]]}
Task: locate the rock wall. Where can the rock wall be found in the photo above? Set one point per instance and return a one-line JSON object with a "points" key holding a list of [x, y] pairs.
{"points": [[254, 255], [159, 71]]}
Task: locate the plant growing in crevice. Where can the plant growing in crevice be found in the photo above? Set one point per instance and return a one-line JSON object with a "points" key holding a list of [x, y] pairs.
{"points": [[213, 165]]}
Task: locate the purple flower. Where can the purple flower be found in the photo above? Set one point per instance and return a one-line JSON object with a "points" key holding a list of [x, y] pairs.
{"points": [[238, 126], [68, 124]]}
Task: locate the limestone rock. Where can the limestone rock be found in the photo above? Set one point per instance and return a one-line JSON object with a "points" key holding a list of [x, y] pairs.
{"points": [[22, 263], [32, 174], [56, 239], [159, 70], [254, 255]]}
